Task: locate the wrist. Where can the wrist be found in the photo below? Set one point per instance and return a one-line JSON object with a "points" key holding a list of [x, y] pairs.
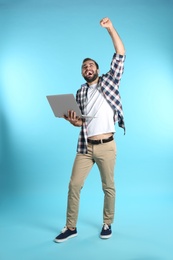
{"points": [[76, 123], [110, 29]]}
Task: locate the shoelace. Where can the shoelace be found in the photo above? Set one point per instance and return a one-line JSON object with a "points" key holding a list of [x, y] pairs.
{"points": [[64, 229], [105, 226]]}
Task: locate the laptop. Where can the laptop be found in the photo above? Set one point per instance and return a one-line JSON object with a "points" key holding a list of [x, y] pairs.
{"points": [[60, 105]]}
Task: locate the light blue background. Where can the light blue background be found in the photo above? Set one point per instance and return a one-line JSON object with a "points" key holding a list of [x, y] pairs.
{"points": [[42, 45]]}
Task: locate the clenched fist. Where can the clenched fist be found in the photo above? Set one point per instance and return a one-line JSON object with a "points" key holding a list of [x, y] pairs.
{"points": [[106, 23]]}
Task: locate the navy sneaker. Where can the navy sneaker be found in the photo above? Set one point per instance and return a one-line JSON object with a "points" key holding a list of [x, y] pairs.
{"points": [[65, 234], [106, 231]]}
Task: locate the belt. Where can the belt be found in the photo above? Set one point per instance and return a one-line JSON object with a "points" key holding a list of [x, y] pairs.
{"points": [[101, 141]]}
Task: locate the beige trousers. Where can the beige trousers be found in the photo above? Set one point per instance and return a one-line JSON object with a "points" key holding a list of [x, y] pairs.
{"points": [[104, 155]]}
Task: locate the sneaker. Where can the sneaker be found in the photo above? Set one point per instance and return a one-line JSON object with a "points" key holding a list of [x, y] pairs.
{"points": [[65, 235], [106, 231]]}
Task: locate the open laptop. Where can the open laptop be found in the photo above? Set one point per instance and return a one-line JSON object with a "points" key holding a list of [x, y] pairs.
{"points": [[60, 105]]}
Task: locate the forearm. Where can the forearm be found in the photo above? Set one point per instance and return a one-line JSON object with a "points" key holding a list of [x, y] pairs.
{"points": [[117, 42]]}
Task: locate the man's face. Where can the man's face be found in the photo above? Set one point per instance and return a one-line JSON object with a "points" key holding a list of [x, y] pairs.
{"points": [[89, 71]]}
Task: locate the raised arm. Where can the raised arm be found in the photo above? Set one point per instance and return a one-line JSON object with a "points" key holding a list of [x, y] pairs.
{"points": [[117, 42]]}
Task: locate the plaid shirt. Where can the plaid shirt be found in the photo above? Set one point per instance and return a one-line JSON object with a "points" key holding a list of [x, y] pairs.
{"points": [[108, 85]]}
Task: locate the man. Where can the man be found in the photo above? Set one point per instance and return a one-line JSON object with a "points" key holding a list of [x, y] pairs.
{"points": [[100, 101]]}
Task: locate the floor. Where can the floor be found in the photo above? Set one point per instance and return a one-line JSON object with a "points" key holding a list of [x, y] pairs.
{"points": [[142, 230]]}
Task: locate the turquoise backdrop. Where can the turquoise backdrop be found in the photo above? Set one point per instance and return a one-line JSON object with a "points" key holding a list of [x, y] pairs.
{"points": [[42, 45]]}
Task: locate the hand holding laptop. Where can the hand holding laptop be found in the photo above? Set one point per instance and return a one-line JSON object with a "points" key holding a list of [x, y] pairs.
{"points": [[73, 119]]}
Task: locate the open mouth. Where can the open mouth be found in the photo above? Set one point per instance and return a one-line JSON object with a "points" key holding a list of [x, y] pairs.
{"points": [[89, 74]]}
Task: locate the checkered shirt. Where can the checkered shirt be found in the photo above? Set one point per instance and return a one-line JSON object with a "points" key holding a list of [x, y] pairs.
{"points": [[108, 85]]}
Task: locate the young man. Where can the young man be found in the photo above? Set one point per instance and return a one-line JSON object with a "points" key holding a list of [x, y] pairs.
{"points": [[100, 101]]}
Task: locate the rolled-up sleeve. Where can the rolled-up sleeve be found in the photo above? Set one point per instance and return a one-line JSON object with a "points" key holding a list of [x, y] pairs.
{"points": [[117, 66]]}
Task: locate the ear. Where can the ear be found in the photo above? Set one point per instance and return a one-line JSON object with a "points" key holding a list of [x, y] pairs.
{"points": [[98, 71]]}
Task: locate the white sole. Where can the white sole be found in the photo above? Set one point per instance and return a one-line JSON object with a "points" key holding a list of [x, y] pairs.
{"points": [[105, 237]]}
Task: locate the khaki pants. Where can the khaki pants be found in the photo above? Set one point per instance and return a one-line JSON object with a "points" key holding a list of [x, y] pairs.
{"points": [[104, 155]]}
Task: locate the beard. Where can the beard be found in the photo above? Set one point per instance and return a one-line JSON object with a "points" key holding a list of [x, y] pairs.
{"points": [[90, 80]]}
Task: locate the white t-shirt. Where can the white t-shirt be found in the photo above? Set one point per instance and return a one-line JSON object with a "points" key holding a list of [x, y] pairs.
{"points": [[98, 107]]}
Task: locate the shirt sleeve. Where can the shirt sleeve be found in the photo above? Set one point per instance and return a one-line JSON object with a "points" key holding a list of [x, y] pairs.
{"points": [[117, 65], [113, 76]]}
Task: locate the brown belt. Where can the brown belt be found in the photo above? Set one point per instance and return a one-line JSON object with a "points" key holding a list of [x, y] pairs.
{"points": [[101, 141]]}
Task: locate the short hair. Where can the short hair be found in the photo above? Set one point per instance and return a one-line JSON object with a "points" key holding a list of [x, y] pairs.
{"points": [[86, 59]]}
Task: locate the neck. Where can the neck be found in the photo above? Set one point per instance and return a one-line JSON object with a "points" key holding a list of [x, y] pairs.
{"points": [[93, 82]]}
